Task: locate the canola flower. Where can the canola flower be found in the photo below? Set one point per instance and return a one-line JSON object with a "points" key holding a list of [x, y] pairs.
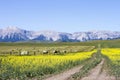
{"points": [[113, 60], [31, 66], [113, 54]]}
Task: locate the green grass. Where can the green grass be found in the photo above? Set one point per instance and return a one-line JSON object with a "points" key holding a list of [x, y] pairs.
{"points": [[104, 43], [112, 69]]}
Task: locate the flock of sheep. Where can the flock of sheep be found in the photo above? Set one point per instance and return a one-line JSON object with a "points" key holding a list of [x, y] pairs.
{"points": [[25, 52], [46, 50]]}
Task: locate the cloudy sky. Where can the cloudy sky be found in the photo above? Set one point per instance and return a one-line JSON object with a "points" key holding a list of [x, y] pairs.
{"points": [[61, 15]]}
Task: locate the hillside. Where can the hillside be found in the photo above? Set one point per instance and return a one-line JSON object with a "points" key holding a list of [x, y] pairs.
{"points": [[104, 43]]}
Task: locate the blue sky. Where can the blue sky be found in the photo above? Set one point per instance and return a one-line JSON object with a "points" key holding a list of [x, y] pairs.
{"points": [[61, 15]]}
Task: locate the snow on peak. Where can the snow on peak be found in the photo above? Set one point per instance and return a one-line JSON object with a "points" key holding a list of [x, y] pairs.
{"points": [[12, 33]]}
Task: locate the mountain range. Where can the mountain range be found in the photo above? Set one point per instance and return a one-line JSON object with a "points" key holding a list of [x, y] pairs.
{"points": [[15, 34]]}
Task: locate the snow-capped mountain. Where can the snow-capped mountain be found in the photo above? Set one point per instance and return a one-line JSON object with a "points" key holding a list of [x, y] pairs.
{"points": [[14, 34]]}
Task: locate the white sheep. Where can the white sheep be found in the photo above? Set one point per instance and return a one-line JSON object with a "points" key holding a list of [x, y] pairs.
{"points": [[45, 52], [24, 53]]}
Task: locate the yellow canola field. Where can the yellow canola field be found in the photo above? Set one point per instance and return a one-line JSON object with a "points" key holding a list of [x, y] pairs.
{"points": [[16, 66], [113, 54]]}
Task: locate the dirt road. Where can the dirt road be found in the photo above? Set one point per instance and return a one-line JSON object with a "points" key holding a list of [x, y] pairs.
{"points": [[65, 75], [96, 74]]}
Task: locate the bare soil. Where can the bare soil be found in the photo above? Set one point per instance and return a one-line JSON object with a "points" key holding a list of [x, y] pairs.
{"points": [[96, 74], [65, 74]]}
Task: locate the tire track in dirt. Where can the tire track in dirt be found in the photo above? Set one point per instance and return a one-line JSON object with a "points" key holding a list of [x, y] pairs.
{"points": [[65, 74], [96, 74], [105, 76]]}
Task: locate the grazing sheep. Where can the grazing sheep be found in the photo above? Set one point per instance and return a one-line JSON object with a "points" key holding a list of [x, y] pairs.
{"points": [[56, 51], [24, 53], [45, 52]]}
